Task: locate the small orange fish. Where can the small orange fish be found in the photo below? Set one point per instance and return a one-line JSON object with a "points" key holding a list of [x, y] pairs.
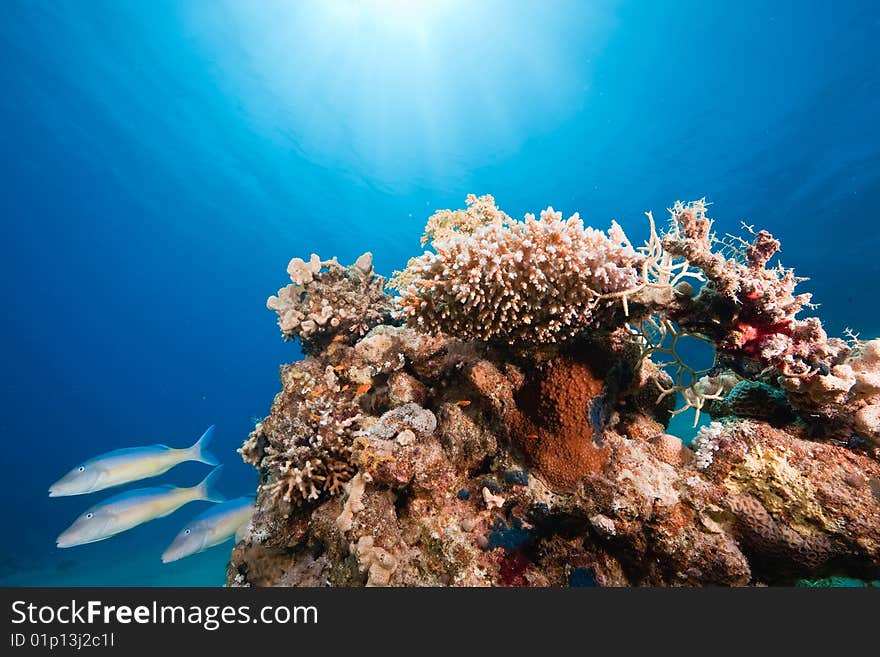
{"points": [[315, 416], [344, 388], [362, 388], [338, 368], [463, 402]]}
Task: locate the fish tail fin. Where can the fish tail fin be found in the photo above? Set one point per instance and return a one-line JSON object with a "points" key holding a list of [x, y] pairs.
{"points": [[199, 451], [207, 488]]}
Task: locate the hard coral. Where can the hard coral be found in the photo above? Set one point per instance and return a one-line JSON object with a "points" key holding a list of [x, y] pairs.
{"points": [[797, 504], [846, 395], [326, 299], [749, 312], [754, 399], [529, 282], [746, 309], [480, 211], [434, 454], [304, 446]]}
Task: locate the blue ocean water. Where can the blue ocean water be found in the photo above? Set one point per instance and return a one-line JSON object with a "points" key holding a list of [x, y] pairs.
{"points": [[162, 162]]}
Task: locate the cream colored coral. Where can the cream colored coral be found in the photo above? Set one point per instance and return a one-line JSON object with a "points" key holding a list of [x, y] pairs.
{"points": [[492, 500], [866, 369], [706, 444], [852, 388], [480, 211], [379, 563], [866, 390], [867, 420], [354, 504], [535, 281], [603, 524], [325, 299], [301, 272]]}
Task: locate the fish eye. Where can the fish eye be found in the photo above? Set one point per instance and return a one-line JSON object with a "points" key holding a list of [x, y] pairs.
{"points": [[82, 468], [187, 531], [90, 515]]}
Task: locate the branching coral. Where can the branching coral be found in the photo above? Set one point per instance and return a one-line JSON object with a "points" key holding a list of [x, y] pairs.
{"points": [[445, 224], [746, 309], [305, 451], [326, 299], [480, 211], [749, 312], [534, 281], [656, 334]]}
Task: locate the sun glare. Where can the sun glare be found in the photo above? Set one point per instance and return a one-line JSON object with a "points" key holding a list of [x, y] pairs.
{"points": [[401, 88], [397, 19], [397, 12]]}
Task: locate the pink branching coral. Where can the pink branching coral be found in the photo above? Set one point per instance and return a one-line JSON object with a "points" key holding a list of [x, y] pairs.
{"points": [[326, 299], [528, 282], [747, 309]]}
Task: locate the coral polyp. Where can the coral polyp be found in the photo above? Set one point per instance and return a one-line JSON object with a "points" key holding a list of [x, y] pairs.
{"points": [[504, 420], [542, 279]]}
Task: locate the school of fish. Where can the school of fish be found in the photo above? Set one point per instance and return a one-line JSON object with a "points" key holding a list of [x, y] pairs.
{"points": [[124, 511]]}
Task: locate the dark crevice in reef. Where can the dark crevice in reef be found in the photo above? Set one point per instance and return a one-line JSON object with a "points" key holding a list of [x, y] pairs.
{"points": [[484, 467], [503, 421]]}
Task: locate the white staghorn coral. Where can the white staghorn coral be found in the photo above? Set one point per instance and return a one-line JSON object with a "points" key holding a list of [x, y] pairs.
{"points": [[534, 281]]}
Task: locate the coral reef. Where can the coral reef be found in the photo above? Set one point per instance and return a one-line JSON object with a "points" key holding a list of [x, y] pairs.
{"points": [[504, 421], [326, 300], [752, 399], [536, 280], [844, 391]]}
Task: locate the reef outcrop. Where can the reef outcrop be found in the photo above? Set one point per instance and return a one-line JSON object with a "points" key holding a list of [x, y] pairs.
{"points": [[503, 421]]}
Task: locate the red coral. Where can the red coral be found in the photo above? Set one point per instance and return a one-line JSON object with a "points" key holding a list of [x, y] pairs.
{"points": [[512, 569], [749, 338]]}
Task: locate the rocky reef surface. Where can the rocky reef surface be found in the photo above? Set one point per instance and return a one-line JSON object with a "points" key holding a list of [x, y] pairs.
{"points": [[502, 418]]}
